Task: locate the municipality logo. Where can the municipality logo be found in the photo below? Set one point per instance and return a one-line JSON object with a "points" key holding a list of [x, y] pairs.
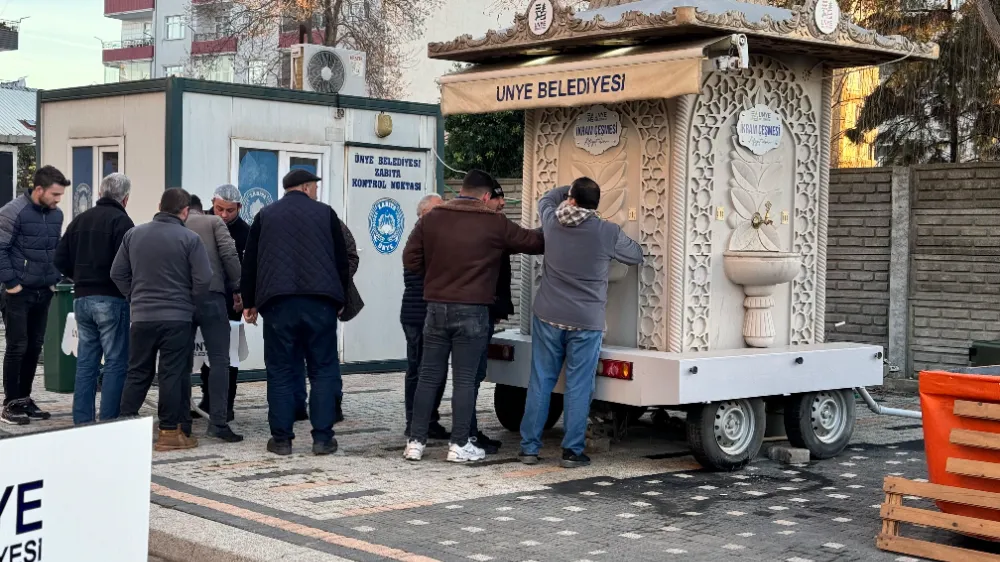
{"points": [[255, 199], [385, 224]]}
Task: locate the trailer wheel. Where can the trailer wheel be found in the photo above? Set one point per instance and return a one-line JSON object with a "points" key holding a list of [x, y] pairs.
{"points": [[822, 422], [726, 435], [508, 402]]}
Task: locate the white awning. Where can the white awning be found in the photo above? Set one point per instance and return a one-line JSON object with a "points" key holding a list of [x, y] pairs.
{"points": [[618, 75]]}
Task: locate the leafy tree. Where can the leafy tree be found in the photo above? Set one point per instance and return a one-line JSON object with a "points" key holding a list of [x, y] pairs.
{"points": [[25, 166], [493, 142], [935, 111]]}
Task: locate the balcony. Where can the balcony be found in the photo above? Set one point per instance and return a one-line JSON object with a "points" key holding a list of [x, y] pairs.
{"points": [[130, 49], [286, 40], [8, 35], [129, 9], [212, 44]]}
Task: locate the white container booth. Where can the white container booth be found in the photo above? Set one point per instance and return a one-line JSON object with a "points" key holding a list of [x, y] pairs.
{"points": [[707, 126], [198, 135]]}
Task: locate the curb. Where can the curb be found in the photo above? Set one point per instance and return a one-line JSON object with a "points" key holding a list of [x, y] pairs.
{"points": [[171, 548]]}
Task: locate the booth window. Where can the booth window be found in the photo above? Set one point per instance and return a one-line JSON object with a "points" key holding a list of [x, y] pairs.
{"points": [[261, 165], [174, 27]]}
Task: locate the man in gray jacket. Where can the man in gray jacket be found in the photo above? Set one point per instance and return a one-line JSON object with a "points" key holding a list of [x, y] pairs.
{"points": [[568, 325], [162, 268], [211, 314]]}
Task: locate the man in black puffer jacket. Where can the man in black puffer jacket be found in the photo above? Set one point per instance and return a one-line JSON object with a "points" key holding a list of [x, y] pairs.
{"points": [[411, 316], [29, 234]]}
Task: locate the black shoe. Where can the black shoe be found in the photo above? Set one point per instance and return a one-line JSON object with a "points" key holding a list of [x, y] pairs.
{"points": [[224, 433], [528, 459], [490, 448], [325, 447], [573, 460], [301, 415], [436, 431], [33, 411], [14, 414], [483, 439], [282, 448]]}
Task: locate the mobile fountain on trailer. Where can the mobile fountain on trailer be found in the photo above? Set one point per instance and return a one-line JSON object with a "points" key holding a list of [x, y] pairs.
{"points": [[707, 125]]}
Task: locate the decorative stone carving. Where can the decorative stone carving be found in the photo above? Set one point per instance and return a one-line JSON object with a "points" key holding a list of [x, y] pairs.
{"points": [[649, 118], [775, 85], [750, 198], [800, 26]]}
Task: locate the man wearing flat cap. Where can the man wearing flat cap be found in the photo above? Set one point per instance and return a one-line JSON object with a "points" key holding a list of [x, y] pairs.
{"points": [[296, 276]]}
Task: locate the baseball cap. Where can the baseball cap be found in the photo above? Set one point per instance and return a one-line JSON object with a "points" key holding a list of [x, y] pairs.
{"points": [[497, 192], [296, 178]]}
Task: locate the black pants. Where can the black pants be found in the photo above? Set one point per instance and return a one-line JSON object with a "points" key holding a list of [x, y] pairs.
{"points": [[175, 343], [25, 315], [480, 377], [414, 352], [461, 331], [210, 315]]}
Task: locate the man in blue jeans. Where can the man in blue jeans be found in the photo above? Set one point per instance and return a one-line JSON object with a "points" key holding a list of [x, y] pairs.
{"points": [[85, 255], [296, 273], [568, 325]]}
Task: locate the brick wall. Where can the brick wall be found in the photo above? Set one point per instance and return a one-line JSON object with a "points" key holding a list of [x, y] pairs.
{"points": [[858, 251], [955, 262], [512, 193]]}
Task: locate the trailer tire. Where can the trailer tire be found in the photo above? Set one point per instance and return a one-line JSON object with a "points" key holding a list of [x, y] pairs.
{"points": [[726, 435], [822, 421], [508, 403]]}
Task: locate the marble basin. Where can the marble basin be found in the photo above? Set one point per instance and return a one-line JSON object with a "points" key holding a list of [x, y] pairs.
{"points": [[760, 273]]}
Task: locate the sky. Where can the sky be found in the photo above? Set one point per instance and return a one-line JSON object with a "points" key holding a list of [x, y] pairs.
{"points": [[59, 45]]}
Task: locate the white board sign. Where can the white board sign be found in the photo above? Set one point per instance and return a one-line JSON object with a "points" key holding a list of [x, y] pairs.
{"points": [[598, 129], [827, 16], [238, 349], [540, 15], [70, 488], [759, 129]]}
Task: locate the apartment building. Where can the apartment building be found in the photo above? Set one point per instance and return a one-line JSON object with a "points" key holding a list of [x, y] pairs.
{"points": [[9, 34], [192, 38]]}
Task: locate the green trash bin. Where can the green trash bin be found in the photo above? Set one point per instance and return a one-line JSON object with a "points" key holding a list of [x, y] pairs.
{"points": [[984, 353], [60, 369]]}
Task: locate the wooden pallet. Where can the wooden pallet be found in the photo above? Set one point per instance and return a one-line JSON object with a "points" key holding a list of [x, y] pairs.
{"points": [[894, 513]]}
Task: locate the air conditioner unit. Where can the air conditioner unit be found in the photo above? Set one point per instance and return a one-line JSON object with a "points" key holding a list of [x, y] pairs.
{"points": [[318, 68]]}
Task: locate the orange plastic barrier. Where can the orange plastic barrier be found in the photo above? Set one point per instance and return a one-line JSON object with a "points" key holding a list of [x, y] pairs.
{"points": [[965, 458]]}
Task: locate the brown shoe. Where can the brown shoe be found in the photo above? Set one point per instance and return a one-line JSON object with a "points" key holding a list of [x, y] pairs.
{"points": [[174, 440]]}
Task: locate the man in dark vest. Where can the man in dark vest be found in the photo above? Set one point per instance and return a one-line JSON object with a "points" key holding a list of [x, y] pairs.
{"points": [[296, 274]]}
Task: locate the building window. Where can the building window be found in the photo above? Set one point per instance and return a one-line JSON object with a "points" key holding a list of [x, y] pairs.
{"points": [[257, 72], [176, 70], [174, 27], [127, 71], [219, 69]]}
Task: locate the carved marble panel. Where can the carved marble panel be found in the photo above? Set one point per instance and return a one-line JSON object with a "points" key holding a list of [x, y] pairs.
{"points": [[644, 168], [776, 85]]}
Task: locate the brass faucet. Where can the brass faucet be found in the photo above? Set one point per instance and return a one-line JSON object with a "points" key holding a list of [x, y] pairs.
{"points": [[757, 221]]}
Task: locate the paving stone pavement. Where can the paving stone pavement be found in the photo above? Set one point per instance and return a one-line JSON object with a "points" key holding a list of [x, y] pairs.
{"points": [[646, 499]]}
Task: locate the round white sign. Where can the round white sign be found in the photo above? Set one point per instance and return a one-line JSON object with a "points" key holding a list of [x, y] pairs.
{"points": [[759, 129], [827, 16], [598, 129], [540, 15]]}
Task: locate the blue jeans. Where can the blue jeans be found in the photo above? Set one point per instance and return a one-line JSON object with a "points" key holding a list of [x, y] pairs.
{"points": [[102, 324], [461, 331], [550, 347], [298, 329]]}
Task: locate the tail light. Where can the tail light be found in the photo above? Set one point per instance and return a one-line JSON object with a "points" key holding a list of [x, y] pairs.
{"points": [[621, 370], [500, 352]]}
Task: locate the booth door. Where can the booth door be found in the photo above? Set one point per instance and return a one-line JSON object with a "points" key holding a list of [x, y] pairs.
{"points": [[383, 189], [7, 178]]}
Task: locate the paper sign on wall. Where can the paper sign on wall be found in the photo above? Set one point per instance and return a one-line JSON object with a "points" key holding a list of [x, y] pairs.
{"points": [[759, 129]]}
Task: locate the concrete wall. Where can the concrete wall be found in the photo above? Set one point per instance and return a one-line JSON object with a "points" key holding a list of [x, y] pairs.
{"points": [[914, 261], [512, 193]]}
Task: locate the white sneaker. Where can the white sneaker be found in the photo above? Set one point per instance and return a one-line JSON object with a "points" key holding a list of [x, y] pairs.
{"points": [[465, 454], [414, 451]]}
